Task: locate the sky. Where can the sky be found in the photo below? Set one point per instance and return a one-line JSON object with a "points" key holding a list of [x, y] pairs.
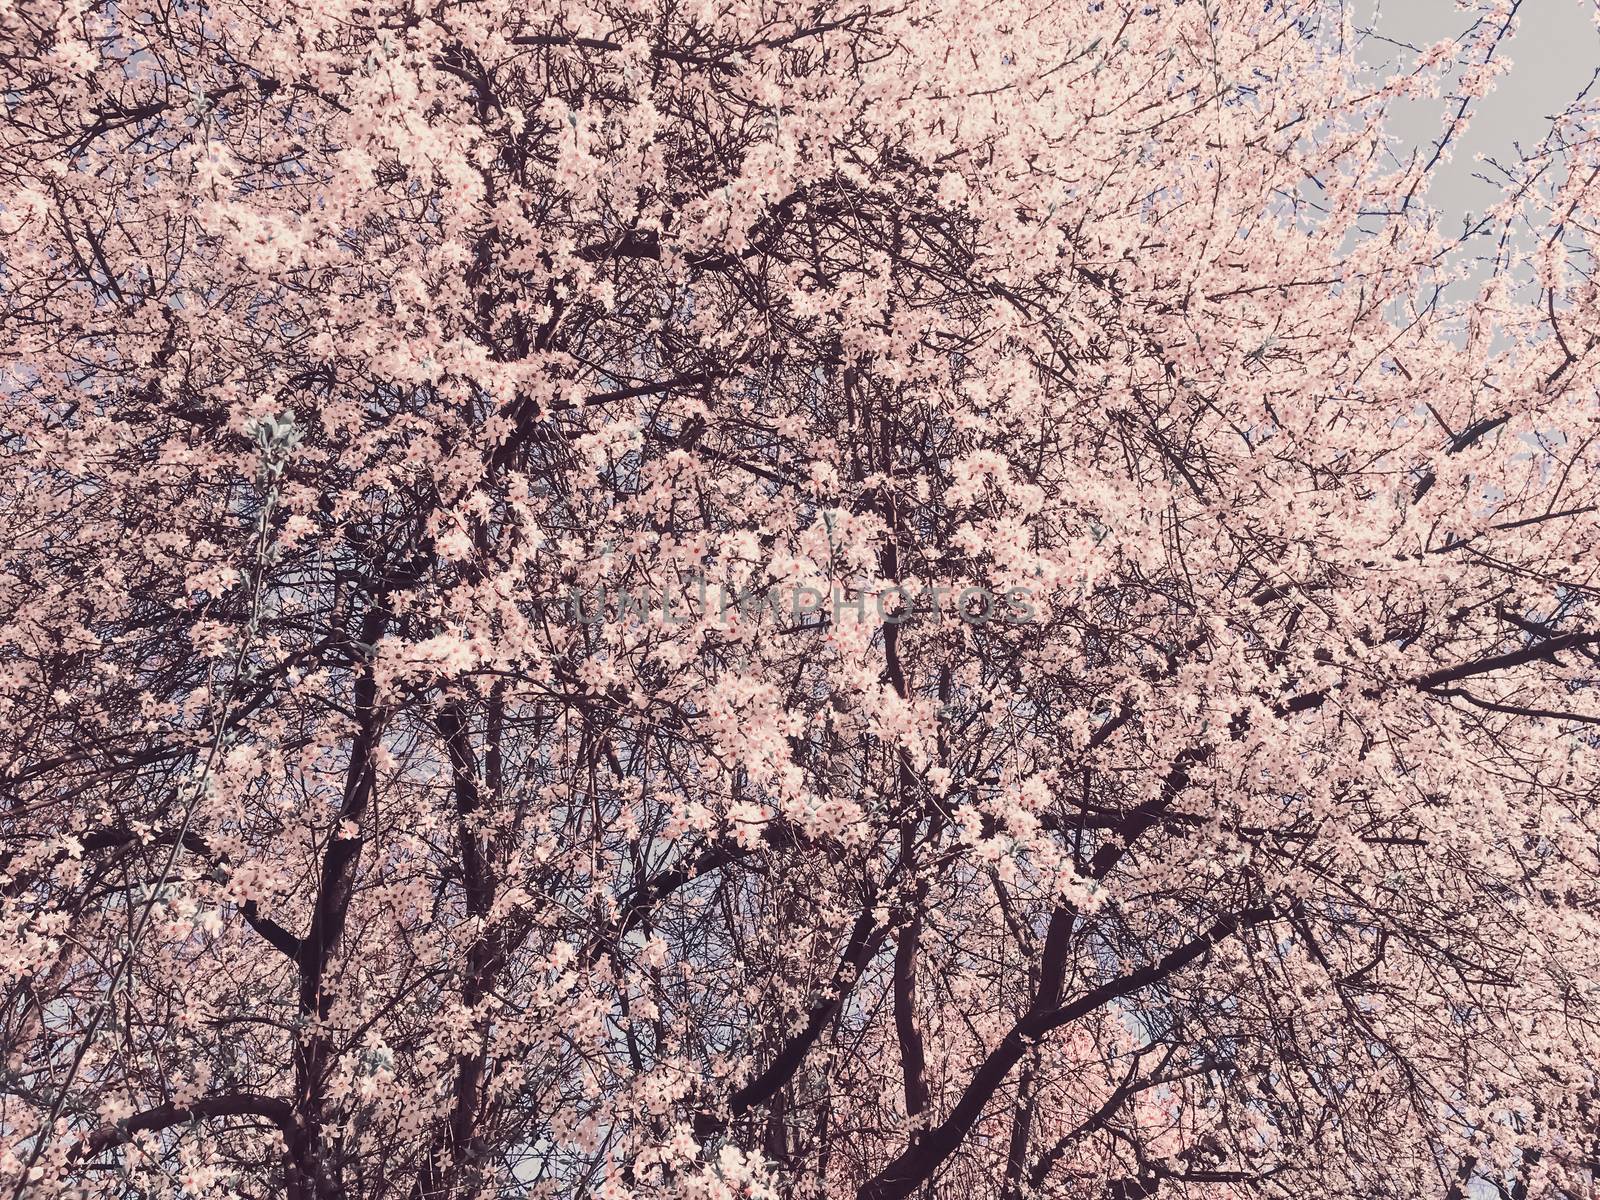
{"points": [[1555, 53]]}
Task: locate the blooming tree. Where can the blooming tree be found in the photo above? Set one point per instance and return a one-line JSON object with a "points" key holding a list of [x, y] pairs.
{"points": [[1160, 754]]}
